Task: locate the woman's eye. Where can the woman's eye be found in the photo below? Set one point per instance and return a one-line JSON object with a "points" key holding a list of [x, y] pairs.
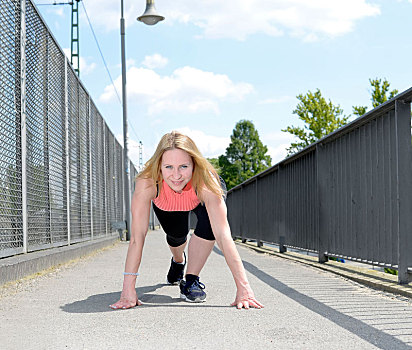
{"points": [[183, 166], [168, 167]]}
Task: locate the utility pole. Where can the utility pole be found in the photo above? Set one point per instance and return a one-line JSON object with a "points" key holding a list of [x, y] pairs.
{"points": [[149, 17], [74, 54]]}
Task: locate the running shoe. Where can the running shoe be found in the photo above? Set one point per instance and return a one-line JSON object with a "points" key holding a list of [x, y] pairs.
{"points": [[175, 274], [192, 292]]}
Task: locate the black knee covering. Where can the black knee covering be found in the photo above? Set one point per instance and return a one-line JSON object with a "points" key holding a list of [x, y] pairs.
{"points": [[175, 241]]}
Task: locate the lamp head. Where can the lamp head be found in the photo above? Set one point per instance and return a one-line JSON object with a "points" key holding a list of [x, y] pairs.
{"points": [[150, 16]]}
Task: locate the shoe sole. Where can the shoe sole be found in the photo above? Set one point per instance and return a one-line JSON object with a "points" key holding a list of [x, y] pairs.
{"points": [[197, 300]]}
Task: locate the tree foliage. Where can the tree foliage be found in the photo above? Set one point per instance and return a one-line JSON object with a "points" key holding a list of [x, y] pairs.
{"points": [[380, 94], [320, 117], [215, 163], [245, 156]]}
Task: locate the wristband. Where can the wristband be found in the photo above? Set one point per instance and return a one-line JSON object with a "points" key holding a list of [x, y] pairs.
{"points": [[130, 273]]}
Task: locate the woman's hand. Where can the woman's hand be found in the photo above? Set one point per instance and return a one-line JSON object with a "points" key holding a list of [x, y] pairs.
{"points": [[246, 299], [145, 191], [127, 301]]}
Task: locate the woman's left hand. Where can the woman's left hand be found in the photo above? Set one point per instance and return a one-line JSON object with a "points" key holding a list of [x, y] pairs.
{"points": [[246, 299]]}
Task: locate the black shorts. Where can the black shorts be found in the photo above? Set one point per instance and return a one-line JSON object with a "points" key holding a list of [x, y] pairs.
{"points": [[176, 224]]}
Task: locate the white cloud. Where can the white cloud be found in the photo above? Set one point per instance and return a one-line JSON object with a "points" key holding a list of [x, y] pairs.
{"points": [[242, 18], [187, 89], [155, 61], [85, 67], [133, 149], [277, 142], [210, 146], [129, 63], [238, 19], [278, 153]]}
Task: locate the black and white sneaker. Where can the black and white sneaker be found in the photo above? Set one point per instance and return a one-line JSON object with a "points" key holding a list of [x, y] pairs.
{"points": [[175, 274], [192, 292]]}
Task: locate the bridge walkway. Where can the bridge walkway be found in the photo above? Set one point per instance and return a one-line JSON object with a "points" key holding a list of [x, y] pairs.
{"points": [[305, 308]]}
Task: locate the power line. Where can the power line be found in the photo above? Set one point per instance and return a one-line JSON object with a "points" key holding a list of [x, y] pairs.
{"points": [[100, 51], [107, 69], [101, 54]]}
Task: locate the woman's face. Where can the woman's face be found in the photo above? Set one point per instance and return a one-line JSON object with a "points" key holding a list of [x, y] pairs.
{"points": [[176, 168]]}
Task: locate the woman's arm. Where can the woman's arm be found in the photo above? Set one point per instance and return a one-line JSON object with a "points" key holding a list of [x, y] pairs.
{"points": [[145, 191], [217, 211]]}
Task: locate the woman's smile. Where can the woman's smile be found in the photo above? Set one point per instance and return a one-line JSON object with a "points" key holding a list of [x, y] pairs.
{"points": [[177, 169]]}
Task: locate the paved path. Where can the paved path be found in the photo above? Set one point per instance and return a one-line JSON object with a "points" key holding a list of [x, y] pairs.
{"points": [[305, 308]]}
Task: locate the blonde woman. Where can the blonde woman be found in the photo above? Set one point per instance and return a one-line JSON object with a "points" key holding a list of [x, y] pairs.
{"points": [[177, 180]]}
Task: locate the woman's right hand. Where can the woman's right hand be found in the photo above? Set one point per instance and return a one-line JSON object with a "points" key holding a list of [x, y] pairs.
{"points": [[127, 301], [145, 191]]}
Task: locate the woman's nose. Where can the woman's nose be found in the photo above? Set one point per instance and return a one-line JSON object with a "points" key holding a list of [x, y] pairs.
{"points": [[176, 174]]}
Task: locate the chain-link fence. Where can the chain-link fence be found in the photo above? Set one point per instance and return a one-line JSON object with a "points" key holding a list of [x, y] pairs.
{"points": [[60, 165]]}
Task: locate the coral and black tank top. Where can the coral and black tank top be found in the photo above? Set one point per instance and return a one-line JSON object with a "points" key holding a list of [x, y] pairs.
{"points": [[169, 200]]}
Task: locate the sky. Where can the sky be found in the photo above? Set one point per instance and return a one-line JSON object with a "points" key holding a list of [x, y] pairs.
{"points": [[212, 63]]}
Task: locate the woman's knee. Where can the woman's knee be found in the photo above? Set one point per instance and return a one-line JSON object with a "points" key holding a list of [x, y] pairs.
{"points": [[207, 235]]}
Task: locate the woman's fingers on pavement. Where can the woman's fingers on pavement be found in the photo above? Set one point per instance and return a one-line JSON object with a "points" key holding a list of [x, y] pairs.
{"points": [[123, 304], [254, 303], [247, 304]]}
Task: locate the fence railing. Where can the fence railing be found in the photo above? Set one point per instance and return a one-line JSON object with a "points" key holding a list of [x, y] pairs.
{"points": [[348, 195], [60, 166]]}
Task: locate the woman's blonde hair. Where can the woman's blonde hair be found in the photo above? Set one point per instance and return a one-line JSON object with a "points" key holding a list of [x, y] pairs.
{"points": [[204, 174]]}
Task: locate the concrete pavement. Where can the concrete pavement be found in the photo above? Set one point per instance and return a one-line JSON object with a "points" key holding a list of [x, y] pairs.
{"points": [[305, 308]]}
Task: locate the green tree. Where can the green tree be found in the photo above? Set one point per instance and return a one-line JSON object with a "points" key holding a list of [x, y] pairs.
{"points": [[380, 94], [245, 156], [320, 117], [215, 163]]}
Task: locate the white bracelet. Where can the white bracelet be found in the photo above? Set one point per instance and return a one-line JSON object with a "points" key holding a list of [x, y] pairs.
{"points": [[130, 273]]}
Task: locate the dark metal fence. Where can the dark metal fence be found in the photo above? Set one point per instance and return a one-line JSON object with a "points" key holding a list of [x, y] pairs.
{"points": [[60, 165], [348, 195]]}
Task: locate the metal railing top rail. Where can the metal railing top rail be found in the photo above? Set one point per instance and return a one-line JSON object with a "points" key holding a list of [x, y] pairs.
{"points": [[405, 96]]}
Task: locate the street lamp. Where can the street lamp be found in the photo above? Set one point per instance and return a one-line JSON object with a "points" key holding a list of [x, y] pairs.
{"points": [[149, 17]]}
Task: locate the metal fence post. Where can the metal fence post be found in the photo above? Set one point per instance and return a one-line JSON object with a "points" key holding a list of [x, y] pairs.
{"points": [[258, 222], [321, 203], [105, 166], [23, 124], [91, 171], [66, 124], [404, 188], [242, 225], [282, 221], [46, 138]]}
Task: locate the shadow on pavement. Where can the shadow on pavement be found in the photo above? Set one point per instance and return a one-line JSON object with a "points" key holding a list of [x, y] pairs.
{"points": [[100, 302], [368, 333]]}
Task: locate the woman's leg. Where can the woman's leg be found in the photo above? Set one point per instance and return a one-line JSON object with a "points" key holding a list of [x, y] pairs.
{"points": [[198, 252], [178, 262], [175, 225], [177, 253]]}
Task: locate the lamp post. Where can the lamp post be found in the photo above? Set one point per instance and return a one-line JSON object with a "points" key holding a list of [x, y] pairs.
{"points": [[149, 17]]}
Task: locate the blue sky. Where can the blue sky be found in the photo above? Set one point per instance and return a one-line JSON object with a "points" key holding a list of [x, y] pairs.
{"points": [[212, 63]]}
